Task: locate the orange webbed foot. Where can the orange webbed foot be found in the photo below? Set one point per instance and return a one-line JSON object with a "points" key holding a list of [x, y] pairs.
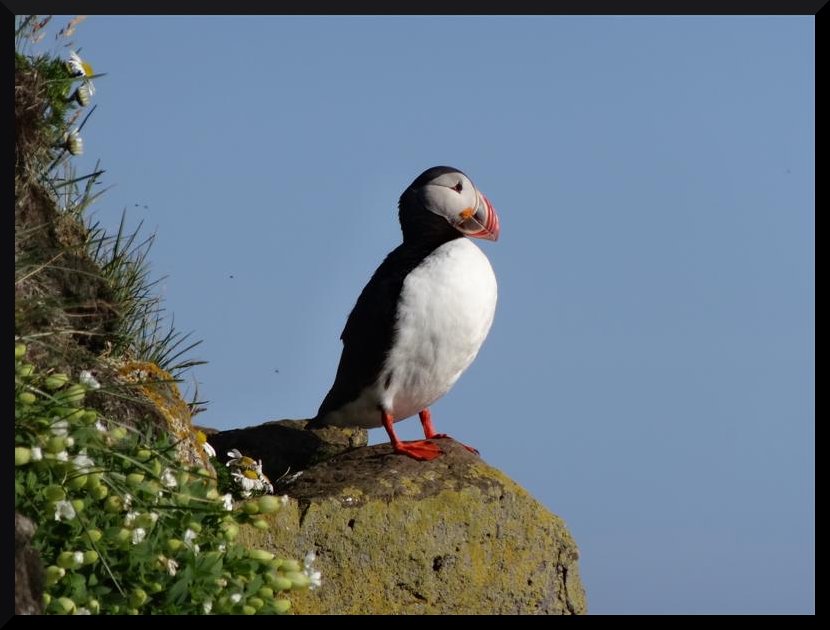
{"points": [[422, 450]]}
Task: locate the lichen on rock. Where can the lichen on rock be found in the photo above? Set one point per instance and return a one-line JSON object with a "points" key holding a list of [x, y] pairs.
{"points": [[393, 535]]}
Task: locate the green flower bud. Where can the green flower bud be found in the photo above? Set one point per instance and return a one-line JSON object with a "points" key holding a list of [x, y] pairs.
{"points": [[298, 579], [94, 606], [248, 610], [26, 398], [196, 527], [212, 494], [146, 520], [68, 413], [260, 524], [94, 479], [67, 560], [156, 467], [281, 606], [53, 574], [76, 483], [250, 507], [56, 444], [135, 479], [99, 492], [26, 370], [152, 487], [182, 499], [47, 599], [19, 351], [280, 583], [256, 602], [143, 455], [22, 455], [72, 395], [54, 493], [155, 587], [78, 504], [290, 565], [265, 592], [118, 534], [230, 531], [89, 416], [94, 535], [90, 557], [65, 605], [56, 381], [260, 555], [138, 597], [268, 503], [114, 504], [174, 544], [118, 433]]}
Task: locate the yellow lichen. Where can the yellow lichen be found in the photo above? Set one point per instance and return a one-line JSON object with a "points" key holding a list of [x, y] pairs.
{"points": [[160, 389]]}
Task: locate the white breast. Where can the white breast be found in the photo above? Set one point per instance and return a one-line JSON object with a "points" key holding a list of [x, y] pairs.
{"points": [[445, 311], [444, 314]]}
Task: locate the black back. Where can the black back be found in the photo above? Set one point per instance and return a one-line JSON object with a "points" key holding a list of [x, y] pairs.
{"points": [[370, 329]]}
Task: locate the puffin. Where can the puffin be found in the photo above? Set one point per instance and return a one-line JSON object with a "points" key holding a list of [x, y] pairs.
{"points": [[421, 319]]}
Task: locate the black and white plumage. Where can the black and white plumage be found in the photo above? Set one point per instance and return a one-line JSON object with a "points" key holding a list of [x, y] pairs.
{"points": [[421, 319]]}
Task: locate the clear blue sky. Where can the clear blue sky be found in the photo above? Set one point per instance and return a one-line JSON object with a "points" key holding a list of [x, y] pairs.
{"points": [[650, 373]]}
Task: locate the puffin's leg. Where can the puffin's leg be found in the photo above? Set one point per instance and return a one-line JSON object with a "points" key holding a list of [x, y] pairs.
{"points": [[417, 449], [429, 430]]}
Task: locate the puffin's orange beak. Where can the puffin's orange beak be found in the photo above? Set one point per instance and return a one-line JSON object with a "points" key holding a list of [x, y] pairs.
{"points": [[481, 221]]}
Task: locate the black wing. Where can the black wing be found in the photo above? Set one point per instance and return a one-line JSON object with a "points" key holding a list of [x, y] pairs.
{"points": [[370, 329]]}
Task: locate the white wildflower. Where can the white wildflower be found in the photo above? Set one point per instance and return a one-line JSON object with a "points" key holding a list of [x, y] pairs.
{"points": [[63, 456], [100, 426], [211, 452], [168, 478], [69, 441], [64, 511], [37, 454], [83, 462], [247, 484], [139, 534], [129, 518], [82, 611], [128, 500], [60, 427], [284, 500], [78, 558], [236, 598], [189, 537], [222, 547], [207, 606], [86, 378], [315, 577], [172, 566], [80, 68], [74, 143], [227, 502]]}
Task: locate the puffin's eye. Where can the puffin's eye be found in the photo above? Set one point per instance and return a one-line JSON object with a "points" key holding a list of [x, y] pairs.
{"points": [[458, 187]]}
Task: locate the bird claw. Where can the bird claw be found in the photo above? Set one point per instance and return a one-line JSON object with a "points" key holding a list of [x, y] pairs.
{"points": [[440, 436]]}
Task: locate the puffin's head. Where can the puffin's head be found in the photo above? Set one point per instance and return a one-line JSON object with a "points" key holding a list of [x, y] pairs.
{"points": [[448, 193]]}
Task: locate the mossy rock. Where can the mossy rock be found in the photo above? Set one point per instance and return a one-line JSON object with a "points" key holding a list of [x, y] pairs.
{"points": [[393, 535]]}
